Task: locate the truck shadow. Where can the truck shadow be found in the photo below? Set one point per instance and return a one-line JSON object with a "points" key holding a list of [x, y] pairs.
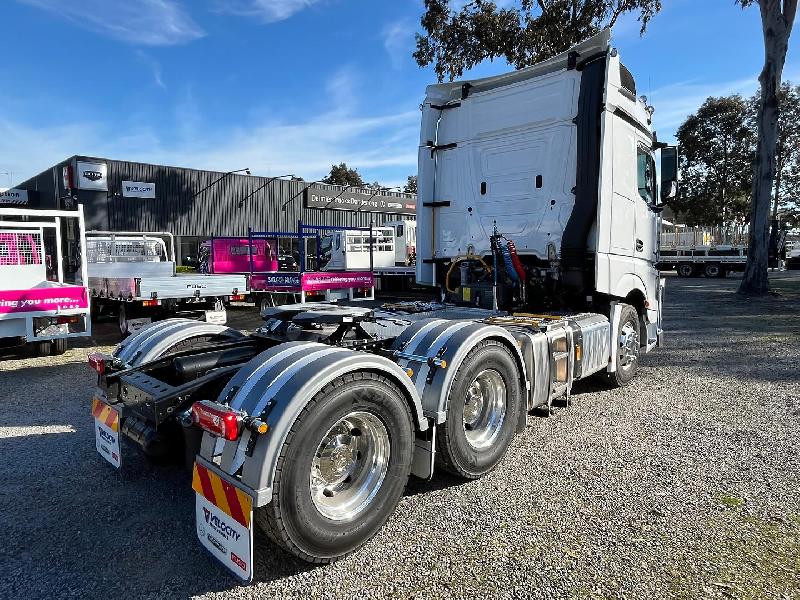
{"points": [[72, 515]]}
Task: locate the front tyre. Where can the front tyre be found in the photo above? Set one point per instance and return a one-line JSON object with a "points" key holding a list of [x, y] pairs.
{"points": [[628, 348], [341, 470], [482, 412]]}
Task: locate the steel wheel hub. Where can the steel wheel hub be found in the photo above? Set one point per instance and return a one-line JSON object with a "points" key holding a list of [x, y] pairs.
{"points": [[484, 409], [628, 345], [349, 465]]}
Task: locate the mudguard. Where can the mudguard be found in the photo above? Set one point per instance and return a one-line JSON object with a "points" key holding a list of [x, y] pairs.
{"points": [[276, 385], [149, 343], [429, 341]]}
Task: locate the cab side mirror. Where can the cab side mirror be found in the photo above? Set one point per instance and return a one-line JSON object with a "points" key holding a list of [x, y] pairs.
{"points": [[669, 173]]}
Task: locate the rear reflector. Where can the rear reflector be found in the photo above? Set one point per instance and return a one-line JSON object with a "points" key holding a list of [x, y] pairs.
{"points": [[217, 419], [98, 362]]}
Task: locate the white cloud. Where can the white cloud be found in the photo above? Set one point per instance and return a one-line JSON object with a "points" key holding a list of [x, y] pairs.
{"points": [[268, 11], [676, 101], [398, 39], [383, 147], [142, 22], [155, 68]]}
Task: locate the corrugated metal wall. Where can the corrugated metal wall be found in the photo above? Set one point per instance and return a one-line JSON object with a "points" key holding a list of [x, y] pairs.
{"points": [[216, 211]]}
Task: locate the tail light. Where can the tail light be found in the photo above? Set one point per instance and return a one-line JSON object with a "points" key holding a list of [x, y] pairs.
{"points": [[217, 419], [97, 362], [237, 298], [151, 302], [67, 320]]}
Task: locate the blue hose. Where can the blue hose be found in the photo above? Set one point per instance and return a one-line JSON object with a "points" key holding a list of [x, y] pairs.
{"points": [[512, 272]]}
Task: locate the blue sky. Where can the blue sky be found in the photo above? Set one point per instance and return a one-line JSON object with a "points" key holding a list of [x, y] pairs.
{"points": [[290, 86]]}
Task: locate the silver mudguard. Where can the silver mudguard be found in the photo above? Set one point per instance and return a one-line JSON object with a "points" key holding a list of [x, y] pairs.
{"points": [[431, 340], [149, 343], [276, 385]]}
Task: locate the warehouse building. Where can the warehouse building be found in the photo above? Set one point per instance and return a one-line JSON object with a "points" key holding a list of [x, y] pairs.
{"points": [[194, 205]]}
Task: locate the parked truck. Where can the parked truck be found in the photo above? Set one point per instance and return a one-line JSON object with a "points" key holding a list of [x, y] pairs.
{"points": [[539, 210], [132, 276], [44, 300]]}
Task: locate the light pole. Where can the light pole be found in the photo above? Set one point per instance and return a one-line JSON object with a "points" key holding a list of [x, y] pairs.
{"points": [[283, 206], [261, 187], [246, 170]]}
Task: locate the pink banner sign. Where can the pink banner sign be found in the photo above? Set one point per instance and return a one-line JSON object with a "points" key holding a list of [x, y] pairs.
{"points": [[55, 299], [323, 280]]}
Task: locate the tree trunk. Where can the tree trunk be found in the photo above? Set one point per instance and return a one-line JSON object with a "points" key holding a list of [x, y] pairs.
{"points": [[777, 18], [778, 174]]}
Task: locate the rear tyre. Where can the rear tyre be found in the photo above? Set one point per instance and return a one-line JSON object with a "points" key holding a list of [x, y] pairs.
{"points": [[685, 270], [628, 348], [59, 346], [44, 348], [712, 270], [122, 320], [482, 412], [341, 470]]}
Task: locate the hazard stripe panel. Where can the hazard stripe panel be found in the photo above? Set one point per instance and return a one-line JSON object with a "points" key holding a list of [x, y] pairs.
{"points": [[105, 414], [231, 500]]}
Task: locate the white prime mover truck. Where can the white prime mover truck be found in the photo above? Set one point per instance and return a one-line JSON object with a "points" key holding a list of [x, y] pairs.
{"points": [[537, 193]]}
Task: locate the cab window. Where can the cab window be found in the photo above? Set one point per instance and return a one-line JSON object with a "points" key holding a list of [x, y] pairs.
{"points": [[645, 170]]}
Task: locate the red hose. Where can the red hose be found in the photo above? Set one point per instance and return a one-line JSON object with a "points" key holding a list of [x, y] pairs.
{"points": [[516, 261]]}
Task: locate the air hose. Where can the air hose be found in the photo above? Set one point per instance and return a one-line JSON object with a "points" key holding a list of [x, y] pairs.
{"points": [[458, 260], [512, 248], [509, 263]]}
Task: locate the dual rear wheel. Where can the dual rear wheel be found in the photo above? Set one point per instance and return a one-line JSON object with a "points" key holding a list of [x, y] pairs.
{"points": [[346, 460]]}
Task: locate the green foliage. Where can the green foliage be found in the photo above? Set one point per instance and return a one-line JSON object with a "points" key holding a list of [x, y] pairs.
{"points": [[717, 145], [411, 185], [786, 198], [341, 174], [522, 32]]}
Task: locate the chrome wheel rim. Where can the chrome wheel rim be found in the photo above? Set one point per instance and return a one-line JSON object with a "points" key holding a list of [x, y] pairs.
{"points": [[628, 345], [484, 409], [349, 466]]}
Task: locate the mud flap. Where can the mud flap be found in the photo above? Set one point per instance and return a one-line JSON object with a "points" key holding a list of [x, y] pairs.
{"points": [[224, 521]]}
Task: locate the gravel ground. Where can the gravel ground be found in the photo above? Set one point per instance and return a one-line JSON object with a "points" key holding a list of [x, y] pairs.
{"points": [[684, 484]]}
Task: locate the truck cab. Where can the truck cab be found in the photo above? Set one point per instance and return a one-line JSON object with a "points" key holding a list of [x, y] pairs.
{"points": [[557, 159], [405, 241]]}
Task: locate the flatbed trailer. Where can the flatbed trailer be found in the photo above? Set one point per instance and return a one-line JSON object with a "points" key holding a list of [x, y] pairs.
{"points": [[545, 256], [709, 251], [133, 276]]}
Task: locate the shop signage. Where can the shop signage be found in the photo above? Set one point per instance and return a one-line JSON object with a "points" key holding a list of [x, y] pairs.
{"points": [[14, 196], [138, 189], [358, 201], [92, 176]]}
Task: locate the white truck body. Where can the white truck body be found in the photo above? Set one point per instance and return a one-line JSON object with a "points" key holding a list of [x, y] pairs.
{"points": [[350, 250], [39, 300], [512, 154]]}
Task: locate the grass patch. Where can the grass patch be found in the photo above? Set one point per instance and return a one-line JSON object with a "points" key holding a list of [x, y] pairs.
{"points": [[731, 501]]}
